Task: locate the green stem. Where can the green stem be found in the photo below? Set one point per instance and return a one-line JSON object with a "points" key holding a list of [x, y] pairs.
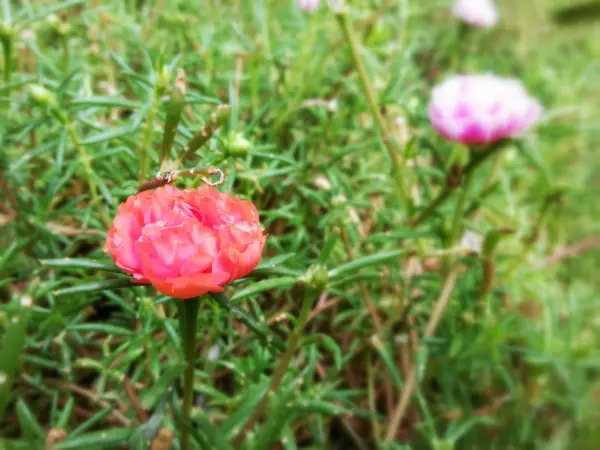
{"points": [[456, 226], [393, 151], [488, 274], [531, 240], [147, 138], [478, 158], [215, 122], [459, 211], [283, 365], [67, 52], [310, 72], [189, 321], [87, 164], [7, 44]]}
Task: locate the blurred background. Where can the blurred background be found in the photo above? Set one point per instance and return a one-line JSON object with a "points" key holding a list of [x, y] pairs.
{"points": [[97, 368]]}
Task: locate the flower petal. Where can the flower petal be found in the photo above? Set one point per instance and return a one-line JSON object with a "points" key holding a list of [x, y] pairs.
{"points": [[191, 286]]}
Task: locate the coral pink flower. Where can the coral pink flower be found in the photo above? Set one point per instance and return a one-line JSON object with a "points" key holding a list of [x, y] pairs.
{"points": [[309, 5], [186, 243], [481, 109], [479, 13]]}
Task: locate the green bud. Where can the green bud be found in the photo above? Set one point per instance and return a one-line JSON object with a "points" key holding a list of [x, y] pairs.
{"points": [[6, 31], [53, 20], [238, 145], [316, 277], [40, 95], [164, 79], [63, 28]]}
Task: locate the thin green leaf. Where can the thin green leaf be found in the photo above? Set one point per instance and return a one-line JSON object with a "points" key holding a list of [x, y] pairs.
{"points": [[111, 438], [11, 347], [367, 261], [101, 328], [108, 135], [29, 424], [258, 328], [79, 263], [174, 111], [246, 407], [388, 361], [53, 9], [96, 287], [275, 261], [282, 413], [149, 397], [264, 285], [329, 344], [111, 102]]}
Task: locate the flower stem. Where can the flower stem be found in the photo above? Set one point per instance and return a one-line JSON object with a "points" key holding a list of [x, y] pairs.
{"points": [[189, 321], [393, 150], [7, 44], [66, 53], [478, 158], [283, 365], [87, 165], [147, 139], [459, 211]]}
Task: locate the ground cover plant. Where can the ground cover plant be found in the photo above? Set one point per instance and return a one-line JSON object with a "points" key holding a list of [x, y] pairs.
{"points": [[343, 225]]}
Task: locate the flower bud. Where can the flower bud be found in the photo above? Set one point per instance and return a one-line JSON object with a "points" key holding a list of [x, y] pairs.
{"points": [[238, 145], [63, 29], [53, 20], [42, 96], [164, 79], [6, 31], [316, 277]]}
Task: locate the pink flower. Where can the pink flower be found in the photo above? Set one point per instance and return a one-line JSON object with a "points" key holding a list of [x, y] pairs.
{"points": [[479, 13], [481, 109], [309, 5], [186, 243]]}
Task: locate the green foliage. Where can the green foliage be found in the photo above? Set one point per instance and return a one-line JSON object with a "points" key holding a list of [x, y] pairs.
{"points": [[96, 94]]}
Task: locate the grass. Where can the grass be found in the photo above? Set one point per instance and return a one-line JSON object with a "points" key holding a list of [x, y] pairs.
{"points": [[89, 362]]}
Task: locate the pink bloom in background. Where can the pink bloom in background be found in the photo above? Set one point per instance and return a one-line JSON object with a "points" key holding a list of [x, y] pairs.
{"points": [[481, 109], [479, 13], [186, 243], [309, 5]]}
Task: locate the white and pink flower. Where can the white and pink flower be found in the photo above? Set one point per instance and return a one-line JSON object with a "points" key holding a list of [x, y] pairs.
{"points": [[482, 109], [309, 5], [479, 13]]}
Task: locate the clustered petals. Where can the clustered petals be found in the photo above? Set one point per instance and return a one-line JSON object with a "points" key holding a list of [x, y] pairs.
{"points": [[186, 242], [309, 5], [479, 13], [482, 109]]}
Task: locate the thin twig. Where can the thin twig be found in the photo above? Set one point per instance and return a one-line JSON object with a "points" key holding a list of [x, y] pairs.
{"points": [[135, 402], [323, 306], [54, 436], [94, 398], [411, 382], [573, 250], [371, 20]]}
